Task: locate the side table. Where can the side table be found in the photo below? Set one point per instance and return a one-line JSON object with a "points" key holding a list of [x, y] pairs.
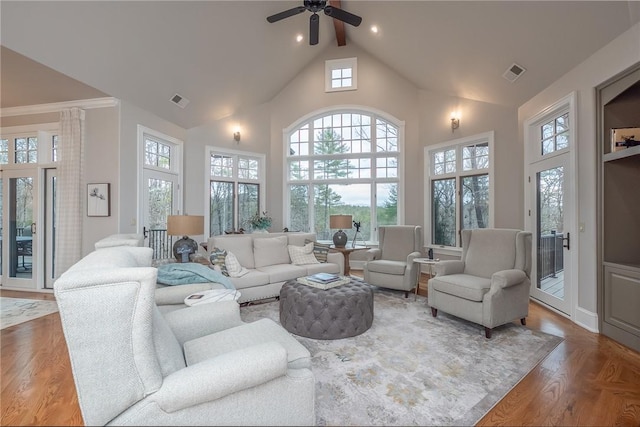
{"points": [[346, 251], [427, 261]]}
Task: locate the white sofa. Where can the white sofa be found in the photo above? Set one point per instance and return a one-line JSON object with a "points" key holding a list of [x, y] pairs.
{"points": [[130, 239], [198, 365], [269, 263]]}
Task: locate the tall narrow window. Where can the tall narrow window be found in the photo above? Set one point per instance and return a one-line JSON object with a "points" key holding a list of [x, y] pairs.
{"points": [[236, 181], [460, 194], [160, 192]]}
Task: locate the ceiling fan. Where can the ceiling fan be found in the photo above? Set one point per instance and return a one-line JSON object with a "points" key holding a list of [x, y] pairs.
{"points": [[314, 6]]}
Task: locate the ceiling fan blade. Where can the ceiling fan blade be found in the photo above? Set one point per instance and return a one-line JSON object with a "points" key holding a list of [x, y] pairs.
{"points": [[287, 13], [343, 15], [314, 28]]}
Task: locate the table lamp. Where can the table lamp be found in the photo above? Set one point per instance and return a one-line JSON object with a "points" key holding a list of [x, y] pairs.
{"points": [[184, 225], [340, 222]]}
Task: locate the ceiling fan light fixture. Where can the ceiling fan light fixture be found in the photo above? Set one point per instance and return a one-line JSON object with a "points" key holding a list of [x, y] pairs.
{"points": [[315, 6]]}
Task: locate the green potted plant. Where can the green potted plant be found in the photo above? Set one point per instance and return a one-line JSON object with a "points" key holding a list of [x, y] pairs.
{"points": [[260, 222]]}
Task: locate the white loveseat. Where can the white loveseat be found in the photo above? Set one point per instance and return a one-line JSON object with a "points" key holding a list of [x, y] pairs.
{"points": [[266, 257]]}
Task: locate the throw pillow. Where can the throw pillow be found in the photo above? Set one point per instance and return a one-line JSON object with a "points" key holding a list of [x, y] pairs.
{"points": [[233, 266], [319, 250], [301, 255], [270, 251], [200, 259], [217, 258]]}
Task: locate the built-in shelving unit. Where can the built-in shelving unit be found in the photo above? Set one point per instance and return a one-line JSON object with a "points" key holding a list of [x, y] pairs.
{"points": [[619, 211]]}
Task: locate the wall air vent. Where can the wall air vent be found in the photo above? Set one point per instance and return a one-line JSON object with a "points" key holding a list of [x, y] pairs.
{"points": [[179, 100], [513, 72]]}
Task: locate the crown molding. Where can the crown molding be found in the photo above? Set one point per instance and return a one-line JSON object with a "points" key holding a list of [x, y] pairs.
{"points": [[85, 104]]}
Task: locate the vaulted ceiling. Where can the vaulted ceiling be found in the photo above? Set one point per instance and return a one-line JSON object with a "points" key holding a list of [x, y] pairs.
{"points": [[224, 56]]}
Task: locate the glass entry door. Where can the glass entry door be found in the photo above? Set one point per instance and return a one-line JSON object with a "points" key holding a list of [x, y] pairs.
{"points": [[159, 201], [551, 272], [19, 226]]}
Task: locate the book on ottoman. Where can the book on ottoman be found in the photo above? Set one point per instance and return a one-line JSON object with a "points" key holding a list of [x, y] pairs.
{"points": [[323, 278], [327, 284]]}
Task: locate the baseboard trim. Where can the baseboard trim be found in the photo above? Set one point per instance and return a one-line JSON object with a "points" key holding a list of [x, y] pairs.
{"points": [[583, 318], [586, 319]]}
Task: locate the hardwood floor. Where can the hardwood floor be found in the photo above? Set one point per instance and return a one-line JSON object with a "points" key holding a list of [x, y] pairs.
{"points": [[587, 380]]}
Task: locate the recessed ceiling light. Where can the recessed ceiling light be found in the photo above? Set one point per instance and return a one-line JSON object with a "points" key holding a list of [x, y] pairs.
{"points": [[299, 38], [374, 29]]}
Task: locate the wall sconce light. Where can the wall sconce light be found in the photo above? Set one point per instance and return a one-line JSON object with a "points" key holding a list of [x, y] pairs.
{"points": [[455, 121], [236, 136]]}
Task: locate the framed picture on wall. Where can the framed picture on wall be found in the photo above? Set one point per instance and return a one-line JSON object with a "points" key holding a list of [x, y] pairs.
{"points": [[99, 199]]}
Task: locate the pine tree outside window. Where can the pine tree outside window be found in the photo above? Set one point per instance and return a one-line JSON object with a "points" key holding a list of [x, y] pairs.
{"points": [[343, 162]]}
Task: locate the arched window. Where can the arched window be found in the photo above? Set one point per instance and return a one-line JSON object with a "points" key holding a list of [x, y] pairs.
{"points": [[345, 161]]}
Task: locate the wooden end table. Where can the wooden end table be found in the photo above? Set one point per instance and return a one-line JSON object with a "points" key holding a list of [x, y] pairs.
{"points": [[346, 251]]}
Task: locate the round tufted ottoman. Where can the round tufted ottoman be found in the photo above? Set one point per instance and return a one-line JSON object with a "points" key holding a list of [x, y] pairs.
{"points": [[340, 312]]}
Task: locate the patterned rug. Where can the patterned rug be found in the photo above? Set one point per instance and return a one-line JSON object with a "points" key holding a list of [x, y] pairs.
{"points": [[413, 369], [17, 310]]}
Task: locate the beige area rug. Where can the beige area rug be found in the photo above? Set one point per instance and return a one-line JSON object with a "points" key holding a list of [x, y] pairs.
{"points": [[413, 369], [14, 311]]}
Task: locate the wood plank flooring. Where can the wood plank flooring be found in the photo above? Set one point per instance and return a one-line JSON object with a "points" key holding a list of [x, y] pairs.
{"points": [[588, 380]]}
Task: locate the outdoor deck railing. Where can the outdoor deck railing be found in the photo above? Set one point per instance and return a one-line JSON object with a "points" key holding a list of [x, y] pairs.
{"points": [[550, 255], [160, 242]]}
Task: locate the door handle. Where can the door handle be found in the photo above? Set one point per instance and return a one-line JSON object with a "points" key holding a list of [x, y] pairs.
{"points": [[33, 228], [568, 239]]}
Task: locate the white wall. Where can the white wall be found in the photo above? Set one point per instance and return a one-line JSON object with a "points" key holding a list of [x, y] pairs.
{"points": [[478, 117], [617, 56], [379, 87], [255, 137], [101, 163], [427, 121], [101, 166]]}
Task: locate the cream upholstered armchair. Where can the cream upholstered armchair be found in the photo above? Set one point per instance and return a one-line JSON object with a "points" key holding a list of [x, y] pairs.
{"points": [[200, 365], [391, 264], [490, 284]]}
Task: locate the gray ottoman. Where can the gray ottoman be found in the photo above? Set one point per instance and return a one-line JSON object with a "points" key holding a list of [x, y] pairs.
{"points": [[340, 312]]}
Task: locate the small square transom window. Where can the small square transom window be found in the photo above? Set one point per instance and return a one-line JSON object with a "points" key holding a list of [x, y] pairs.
{"points": [[26, 150], [157, 154], [341, 74]]}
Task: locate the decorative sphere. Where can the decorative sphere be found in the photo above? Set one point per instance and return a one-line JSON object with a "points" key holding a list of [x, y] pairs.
{"points": [[184, 247], [340, 239]]}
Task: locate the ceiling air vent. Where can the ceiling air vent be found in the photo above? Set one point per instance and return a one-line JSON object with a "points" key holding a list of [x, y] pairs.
{"points": [[179, 100], [513, 72]]}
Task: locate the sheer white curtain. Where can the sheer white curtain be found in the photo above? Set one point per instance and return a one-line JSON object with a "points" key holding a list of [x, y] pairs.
{"points": [[70, 190]]}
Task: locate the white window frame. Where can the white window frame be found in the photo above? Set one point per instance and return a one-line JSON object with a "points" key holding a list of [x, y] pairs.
{"points": [[340, 64], [44, 132], [177, 147], [353, 109], [457, 144], [261, 181]]}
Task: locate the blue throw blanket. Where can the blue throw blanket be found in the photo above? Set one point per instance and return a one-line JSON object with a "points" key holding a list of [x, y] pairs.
{"points": [[185, 273]]}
